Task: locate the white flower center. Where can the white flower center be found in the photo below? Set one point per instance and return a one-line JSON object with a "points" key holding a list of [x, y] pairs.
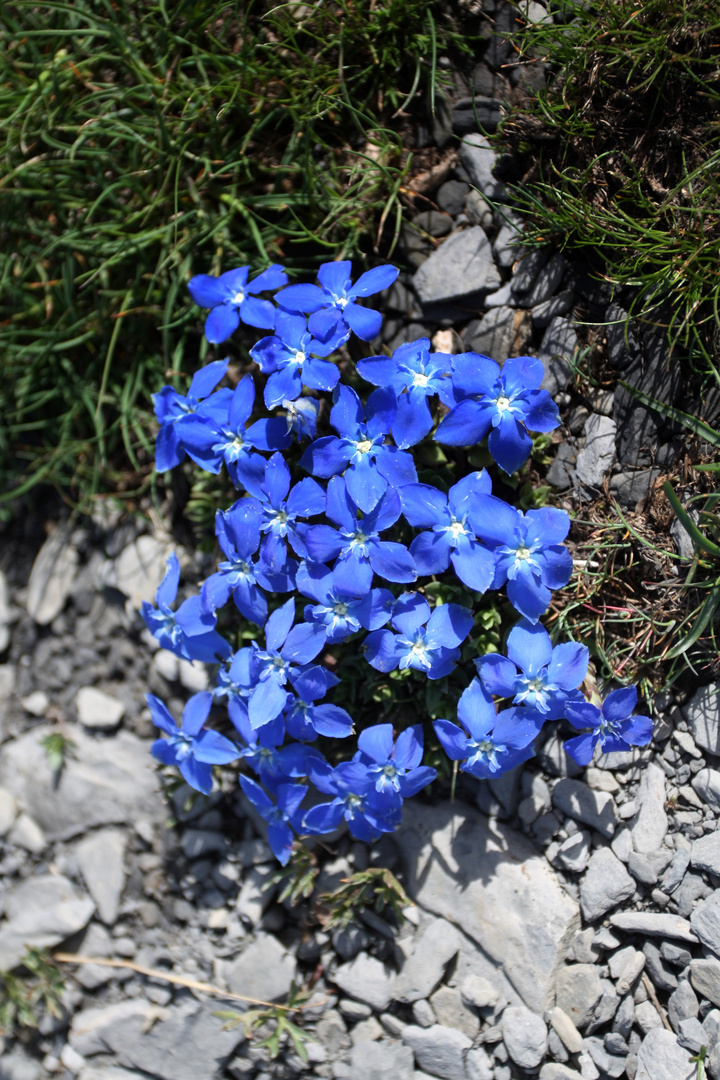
{"points": [[237, 443], [365, 446], [457, 528], [419, 379], [238, 298], [340, 608], [503, 404], [523, 553], [359, 538], [299, 357]]}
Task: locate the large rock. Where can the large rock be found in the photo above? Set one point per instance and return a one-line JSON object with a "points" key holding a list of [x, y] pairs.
{"points": [[605, 884], [462, 269], [596, 459], [705, 921], [424, 968], [264, 971], [101, 861], [103, 782], [661, 1058], [490, 881], [525, 1036], [578, 992], [51, 578], [381, 1061], [41, 912], [139, 568], [438, 1050], [185, 1042], [502, 332], [650, 824], [702, 713], [478, 157], [594, 808], [366, 979], [707, 784]]}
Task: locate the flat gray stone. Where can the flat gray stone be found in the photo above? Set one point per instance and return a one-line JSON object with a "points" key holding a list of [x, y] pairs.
{"points": [[649, 826], [605, 885], [438, 1050], [264, 971], [451, 1011], [707, 785], [596, 459], [648, 868], [578, 992], [661, 1058], [98, 710], [41, 912], [565, 1029], [705, 853], [91, 1029], [104, 782], [525, 1036], [490, 881], [424, 968], [381, 1061], [555, 1070], [654, 924], [594, 808], [479, 158], [478, 1065], [109, 1072], [503, 331], [366, 979], [702, 713], [51, 578], [705, 921], [101, 860], [9, 811], [461, 269], [705, 977], [139, 568], [506, 245], [690, 1034], [683, 1003], [546, 282]]}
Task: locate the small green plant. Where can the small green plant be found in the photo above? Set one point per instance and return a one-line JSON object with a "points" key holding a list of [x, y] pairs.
{"points": [[58, 748], [34, 992], [699, 1060], [375, 887], [277, 1016], [298, 876]]}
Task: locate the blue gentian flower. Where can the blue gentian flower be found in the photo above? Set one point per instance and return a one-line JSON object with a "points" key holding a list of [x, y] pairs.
{"points": [[451, 538], [234, 684], [239, 575], [301, 416], [332, 306], [291, 358], [395, 767], [210, 442], [370, 466], [505, 403], [280, 512], [271, 666], [306, 720], [367, 811], [536, 674], [188, 632], [191, 748], [528, 551], [171, 408], [233, 301], [282, 817], [356, 543], [613, 728], [424, 641], [261, 751], [489, 743], [337, 612], [415, 374]]}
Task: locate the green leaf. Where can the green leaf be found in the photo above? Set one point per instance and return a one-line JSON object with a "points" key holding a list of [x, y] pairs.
{"points": [[699, 427], [698, 538]]}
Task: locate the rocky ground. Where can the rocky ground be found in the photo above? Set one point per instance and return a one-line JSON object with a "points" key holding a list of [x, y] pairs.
{"points": [[566, 923]]}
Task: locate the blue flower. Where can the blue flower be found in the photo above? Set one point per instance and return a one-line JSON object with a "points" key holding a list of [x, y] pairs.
{"points": [[367, 811], [414, 374], [356, 544], [232, 300], [280, 512], [172, 408], [395, 767], [489, 743], [290, 357], [505, 403], [238, 533], [188, 632], [301, 416], [274, 766], [360, 452], [191, 748], [613, 728], [282, 816], [547, 678], [332, 304], [337, 612], [306, 720], [528, 551], [271, 666], [426, 642], [451, 538], [234, 684], [210, 441]]}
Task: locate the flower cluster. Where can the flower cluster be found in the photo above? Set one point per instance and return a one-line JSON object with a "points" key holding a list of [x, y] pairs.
{"points": [[333, 537]]}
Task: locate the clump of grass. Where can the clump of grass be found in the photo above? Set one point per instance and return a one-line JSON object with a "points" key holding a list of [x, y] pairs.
{"points": [[143, 143], [620, 152]]}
